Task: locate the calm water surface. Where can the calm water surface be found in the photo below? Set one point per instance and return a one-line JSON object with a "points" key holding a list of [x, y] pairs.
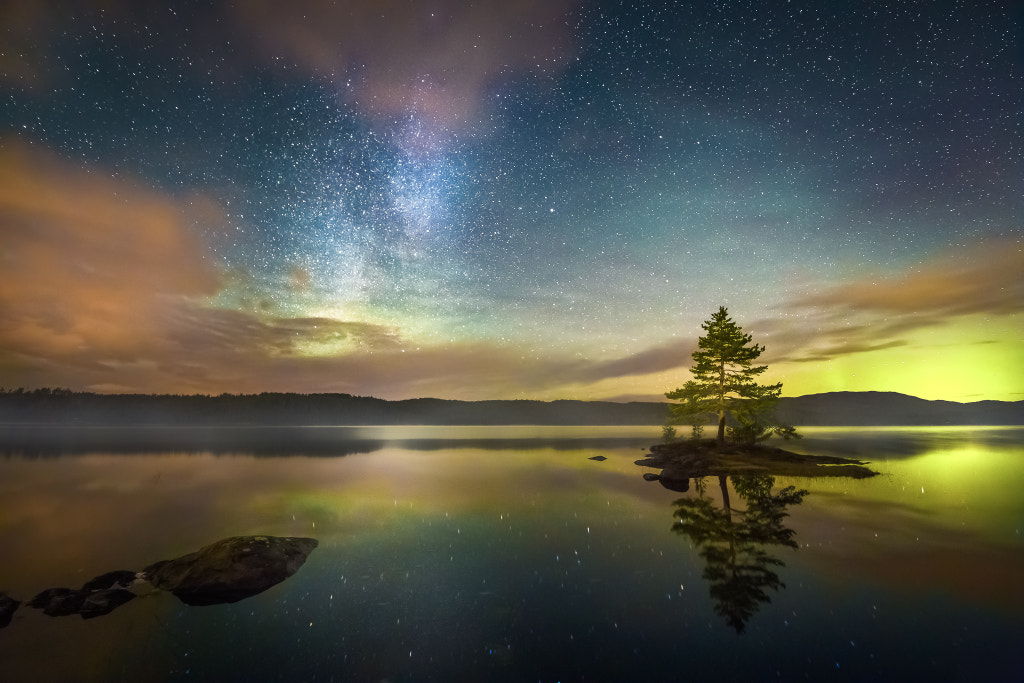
{"points": [[506, 553]]}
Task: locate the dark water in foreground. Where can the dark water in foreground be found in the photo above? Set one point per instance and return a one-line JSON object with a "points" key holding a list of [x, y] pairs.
{"points": [[507, 554]]}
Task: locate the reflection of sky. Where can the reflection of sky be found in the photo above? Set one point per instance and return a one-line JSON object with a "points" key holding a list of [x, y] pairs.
{"points": [[57, 510], [945, 515], [961, 487], [454, 550], [497, 200]]}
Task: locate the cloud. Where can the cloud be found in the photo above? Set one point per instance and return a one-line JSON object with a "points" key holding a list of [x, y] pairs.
{"points": [[985, 279], [876, 313], [390, 58], [833, 348], [655, 359], [88, 264]]}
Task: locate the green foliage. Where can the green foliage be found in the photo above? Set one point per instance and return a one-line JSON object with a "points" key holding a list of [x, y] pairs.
{"points": [[668, 433], [755, 427], [725, 384]]}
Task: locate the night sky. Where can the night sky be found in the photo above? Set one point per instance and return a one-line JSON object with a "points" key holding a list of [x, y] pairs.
{"points": [[539, 199]]}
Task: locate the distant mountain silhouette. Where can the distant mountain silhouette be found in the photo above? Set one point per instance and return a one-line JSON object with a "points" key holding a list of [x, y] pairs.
{"points": [[60, 406], [881, 408]]}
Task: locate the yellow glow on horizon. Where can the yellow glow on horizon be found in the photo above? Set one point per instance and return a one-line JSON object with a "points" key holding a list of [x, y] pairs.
{"points": [[970, 360]]}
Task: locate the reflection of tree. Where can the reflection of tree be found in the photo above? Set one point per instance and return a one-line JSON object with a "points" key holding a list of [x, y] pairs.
{"points": [[739, 570]]}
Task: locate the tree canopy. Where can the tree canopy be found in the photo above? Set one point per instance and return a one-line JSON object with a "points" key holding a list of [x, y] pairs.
{"points": [[724, 383]]}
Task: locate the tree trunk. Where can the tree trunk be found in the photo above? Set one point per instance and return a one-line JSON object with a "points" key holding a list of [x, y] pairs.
{"points": [[723, 484], [721, 404]]}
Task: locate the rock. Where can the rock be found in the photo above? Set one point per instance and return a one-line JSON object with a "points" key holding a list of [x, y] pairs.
{"points": [[58, 602], [8, 606], [119, 577], [99, 596], [680, 485], [599, 458], [231, 569], [98, 603], [225, 571]]}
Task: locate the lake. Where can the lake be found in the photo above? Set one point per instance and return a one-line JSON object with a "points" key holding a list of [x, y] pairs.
{"points": [[508, 554]]}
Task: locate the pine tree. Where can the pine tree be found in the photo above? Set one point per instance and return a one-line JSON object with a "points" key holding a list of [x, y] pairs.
{"points": [[724, 383]]}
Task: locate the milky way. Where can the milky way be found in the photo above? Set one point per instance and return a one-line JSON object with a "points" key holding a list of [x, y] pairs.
{"points": [[488, 200]]}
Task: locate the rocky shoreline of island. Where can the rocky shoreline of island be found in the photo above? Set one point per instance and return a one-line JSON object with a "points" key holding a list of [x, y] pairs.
{"points": [[694, 458]]}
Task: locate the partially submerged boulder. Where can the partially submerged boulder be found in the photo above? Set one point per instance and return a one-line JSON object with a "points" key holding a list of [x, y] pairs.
{"points": [[231, 569], [98, 596], [679, 485], [226, 571]]}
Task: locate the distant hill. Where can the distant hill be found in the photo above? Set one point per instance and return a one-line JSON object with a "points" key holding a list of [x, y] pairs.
{"points": [[60, 406], [878, 408]]}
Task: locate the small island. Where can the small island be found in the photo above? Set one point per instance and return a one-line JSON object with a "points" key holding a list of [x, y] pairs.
{"points": [[682, 460], [724, 388]]}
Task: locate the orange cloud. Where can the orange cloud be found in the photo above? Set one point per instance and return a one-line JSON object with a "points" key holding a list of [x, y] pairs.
{"points": [[91, 267], [987, 279], [876, 313]]}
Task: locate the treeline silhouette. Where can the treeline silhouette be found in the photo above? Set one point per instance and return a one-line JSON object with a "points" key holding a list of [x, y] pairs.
{"points": [[869, 408], [65, 406]]}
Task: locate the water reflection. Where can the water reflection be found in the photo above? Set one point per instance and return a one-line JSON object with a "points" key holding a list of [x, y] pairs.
{"points": [[528, 564], [739, 569], [277, 441]]}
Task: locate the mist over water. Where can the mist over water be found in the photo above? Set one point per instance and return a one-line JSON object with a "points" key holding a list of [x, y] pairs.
{"points": [[509, 554]]}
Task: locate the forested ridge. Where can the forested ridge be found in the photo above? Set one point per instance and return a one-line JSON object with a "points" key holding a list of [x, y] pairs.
{"points": [[62, 406]]}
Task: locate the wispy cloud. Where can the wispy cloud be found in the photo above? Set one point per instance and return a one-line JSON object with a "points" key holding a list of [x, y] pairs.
{"points": [[881, 312], [655, 359], [437, 61], [984, 279]]}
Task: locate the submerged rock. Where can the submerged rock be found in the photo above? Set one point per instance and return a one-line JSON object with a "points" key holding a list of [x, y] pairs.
{"points": [[599, 458], [231, 569]]}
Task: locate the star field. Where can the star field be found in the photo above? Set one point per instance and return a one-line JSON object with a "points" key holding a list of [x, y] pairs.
{"points": [[491, 200]]}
